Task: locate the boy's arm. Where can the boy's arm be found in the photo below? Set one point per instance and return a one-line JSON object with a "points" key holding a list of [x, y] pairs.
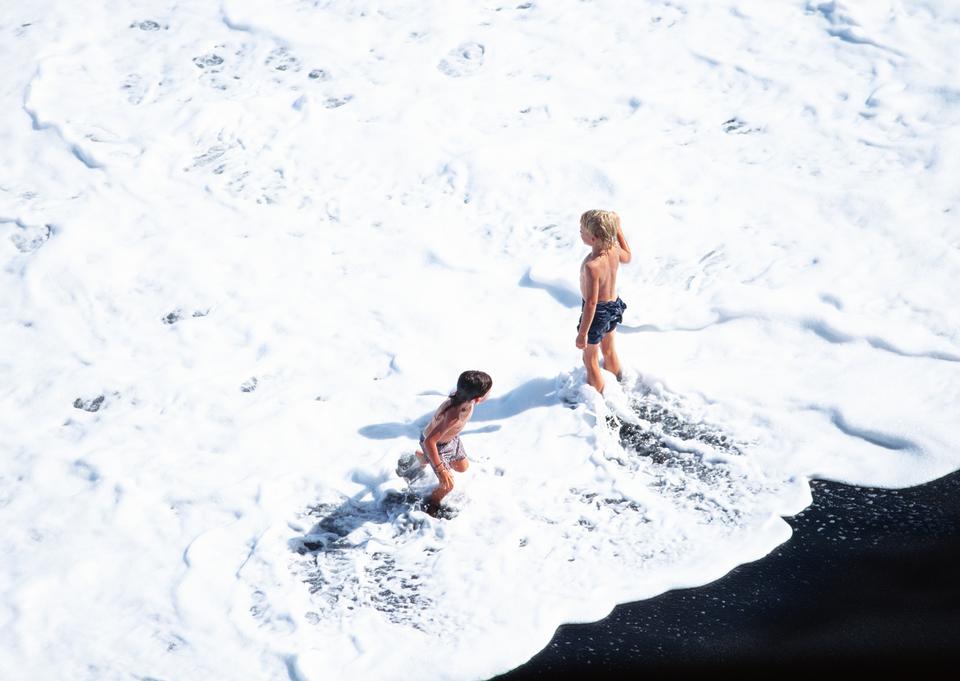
{"points": [[430, 440], [431, 452], [625, 254], [589, 305]]}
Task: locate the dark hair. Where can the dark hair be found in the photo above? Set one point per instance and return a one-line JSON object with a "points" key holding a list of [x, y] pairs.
{"points": [[470, 385]]}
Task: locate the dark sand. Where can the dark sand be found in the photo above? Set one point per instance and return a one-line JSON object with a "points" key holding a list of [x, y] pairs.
{"points": [[869, 581]]}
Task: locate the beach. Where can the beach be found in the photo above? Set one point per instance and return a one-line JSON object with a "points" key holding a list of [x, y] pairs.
{"points": [[246, 252], [867, 582]]}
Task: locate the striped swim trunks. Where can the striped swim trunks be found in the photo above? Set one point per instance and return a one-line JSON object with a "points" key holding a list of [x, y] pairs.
{"points": [[449, 452]]}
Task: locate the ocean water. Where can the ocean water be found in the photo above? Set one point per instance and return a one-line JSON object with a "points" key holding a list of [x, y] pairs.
{"points": [[246, 248]]}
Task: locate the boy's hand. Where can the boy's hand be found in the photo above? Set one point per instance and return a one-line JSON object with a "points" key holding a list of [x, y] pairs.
{"points": [[581, 340], [446, 480]]}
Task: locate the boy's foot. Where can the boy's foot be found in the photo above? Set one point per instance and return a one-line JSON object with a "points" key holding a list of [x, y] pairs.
{"points": [[410, 467], [437, 510], [430, 507]]}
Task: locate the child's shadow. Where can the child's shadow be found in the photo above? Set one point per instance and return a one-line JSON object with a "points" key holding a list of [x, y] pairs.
{"points": [[537, 392], [558, 290]]}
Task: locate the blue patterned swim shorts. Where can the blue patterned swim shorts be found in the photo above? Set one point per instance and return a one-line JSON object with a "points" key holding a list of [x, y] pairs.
{"points": [[609, 313]]}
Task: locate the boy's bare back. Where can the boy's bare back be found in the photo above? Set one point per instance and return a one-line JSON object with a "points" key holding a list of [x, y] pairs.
{"points": [[447, 423], [600, 270]]}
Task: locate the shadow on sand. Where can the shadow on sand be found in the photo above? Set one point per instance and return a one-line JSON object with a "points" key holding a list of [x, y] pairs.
{"points": [[537, 392], [561, 294]]}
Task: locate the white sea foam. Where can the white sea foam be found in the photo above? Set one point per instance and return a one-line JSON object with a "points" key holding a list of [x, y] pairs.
{"points": [[246, 250]]}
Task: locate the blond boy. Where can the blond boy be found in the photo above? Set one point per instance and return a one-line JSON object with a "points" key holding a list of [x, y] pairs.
{"points": [[601, 309]]}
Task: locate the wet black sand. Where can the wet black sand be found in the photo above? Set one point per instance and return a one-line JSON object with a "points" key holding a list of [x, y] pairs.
{"points": [[870, 580]]}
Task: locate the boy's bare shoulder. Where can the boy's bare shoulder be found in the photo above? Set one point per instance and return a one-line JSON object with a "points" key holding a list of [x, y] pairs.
{"points": [[466, 411], [593, 264], [599, 265]]}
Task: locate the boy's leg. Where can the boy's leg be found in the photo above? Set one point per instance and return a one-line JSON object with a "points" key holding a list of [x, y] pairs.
{"points": [[460, 465], [611, 362], [591, 360], [442, 490]]}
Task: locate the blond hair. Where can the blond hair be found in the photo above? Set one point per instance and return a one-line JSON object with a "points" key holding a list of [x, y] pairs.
{"points": [[602, 224]]}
